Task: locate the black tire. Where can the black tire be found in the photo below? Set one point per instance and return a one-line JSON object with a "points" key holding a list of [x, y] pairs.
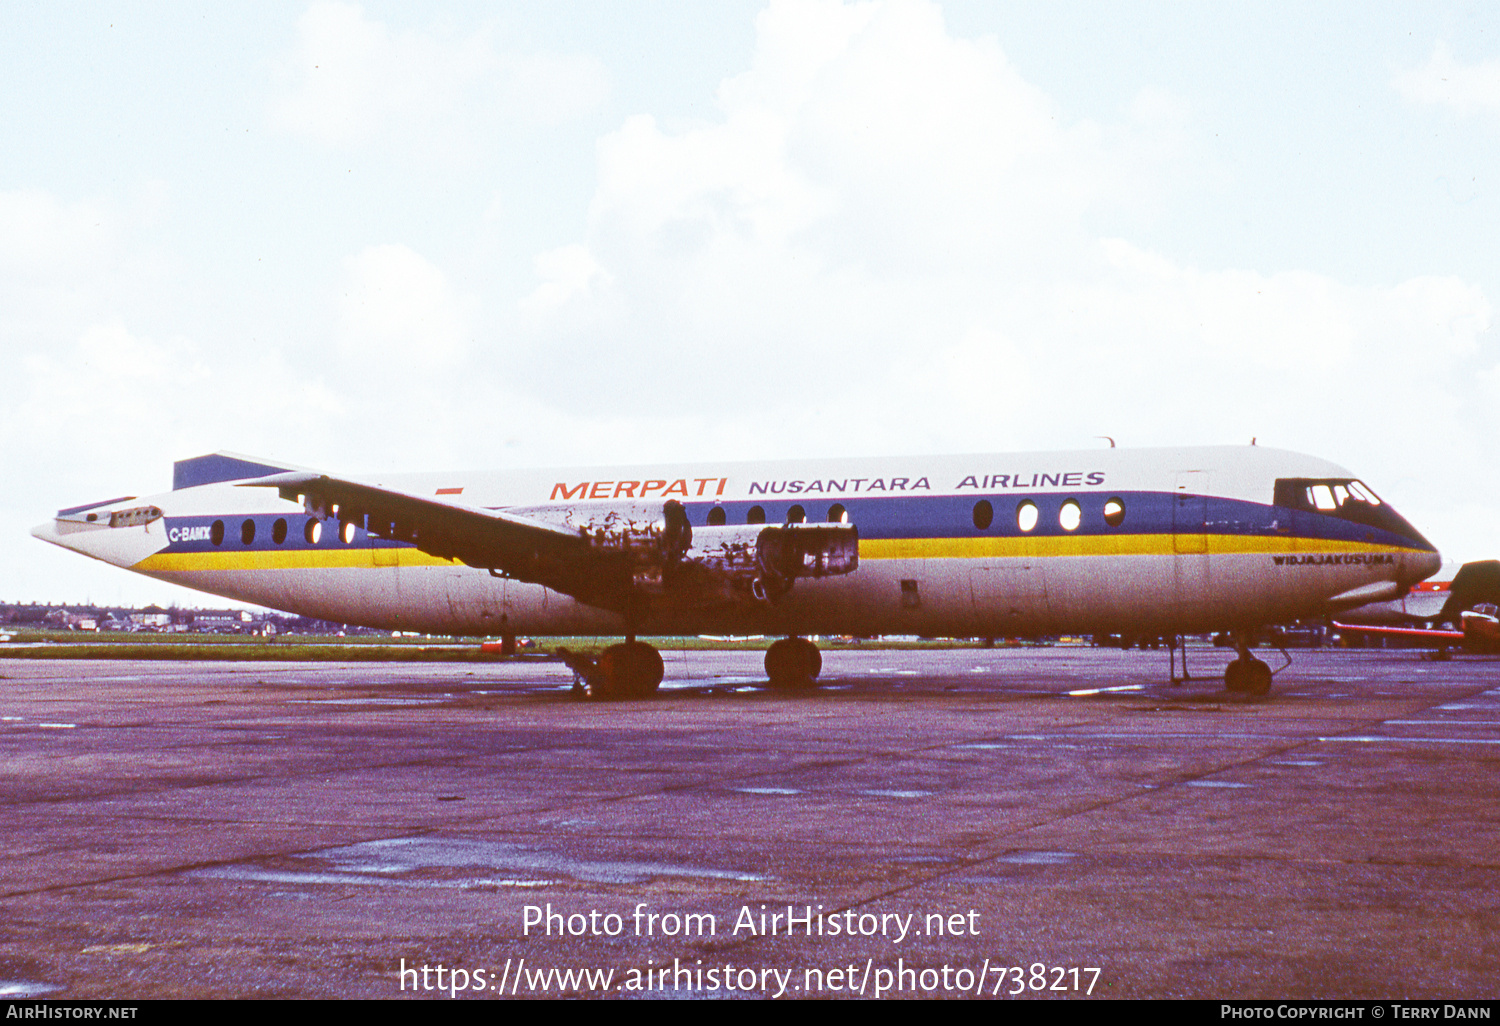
{"points": [[1234, 676], [793, 664], [631, 670], [1257, 679], [647, 669]]}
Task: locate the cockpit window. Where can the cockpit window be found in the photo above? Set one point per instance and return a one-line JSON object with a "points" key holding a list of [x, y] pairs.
{"points": [[1344, 498], [1323, 496]]}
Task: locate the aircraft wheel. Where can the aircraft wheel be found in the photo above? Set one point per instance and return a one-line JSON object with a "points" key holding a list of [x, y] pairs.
{"points": [[1234, 675], [793, 664], [1248, 677], [1257, 679], [631, 670]]}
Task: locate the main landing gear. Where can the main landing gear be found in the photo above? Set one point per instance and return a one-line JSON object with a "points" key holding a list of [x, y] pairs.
{"points": [[631, 670], [634, 669], [1247, 675], [793, 664]]}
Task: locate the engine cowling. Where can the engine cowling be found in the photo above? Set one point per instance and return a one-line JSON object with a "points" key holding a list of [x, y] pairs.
{"points": [[762, 561]]}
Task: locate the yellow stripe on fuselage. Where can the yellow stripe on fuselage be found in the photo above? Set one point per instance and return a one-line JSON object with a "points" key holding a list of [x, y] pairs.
{"points": [[1104, 545], [304, 559]]}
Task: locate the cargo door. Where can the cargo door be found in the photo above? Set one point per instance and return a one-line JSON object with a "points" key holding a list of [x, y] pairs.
{"points": [[1010, 599]]}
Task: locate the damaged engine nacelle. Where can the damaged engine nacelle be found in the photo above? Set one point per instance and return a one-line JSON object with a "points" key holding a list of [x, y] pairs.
{"points": [[671, 559], [649, 548], [620, 557], [761, 562]]}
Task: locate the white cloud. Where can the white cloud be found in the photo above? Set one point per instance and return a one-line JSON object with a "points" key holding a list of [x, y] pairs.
{"points": [[569, 274], [399, 313], [41, 236], [1465, 87], [351, 80], [884, 244], [886, 240]]}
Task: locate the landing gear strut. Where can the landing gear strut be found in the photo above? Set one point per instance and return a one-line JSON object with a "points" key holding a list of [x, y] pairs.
{"points": [[1247, 675], [793, 664]]}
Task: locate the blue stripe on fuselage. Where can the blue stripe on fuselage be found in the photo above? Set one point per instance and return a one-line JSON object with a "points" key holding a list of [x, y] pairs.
{"points": [[901, 517]]}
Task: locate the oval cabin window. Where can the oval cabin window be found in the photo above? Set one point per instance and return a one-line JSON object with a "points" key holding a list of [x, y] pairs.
{"points": [[1069, 516], [1026, 516]]}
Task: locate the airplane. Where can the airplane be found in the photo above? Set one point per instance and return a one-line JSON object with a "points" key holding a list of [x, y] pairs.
{"points": [[1479, 632], [1161, 541], [1426, 603], [1469, 601]]}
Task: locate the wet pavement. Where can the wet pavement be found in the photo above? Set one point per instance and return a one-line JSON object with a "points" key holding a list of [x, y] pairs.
{"points": [[938, 823]]}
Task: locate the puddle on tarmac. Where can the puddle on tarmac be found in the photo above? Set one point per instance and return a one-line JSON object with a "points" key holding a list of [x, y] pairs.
{"points": [[371, 701], [421, 862], [898, 794], [1039, 858]]}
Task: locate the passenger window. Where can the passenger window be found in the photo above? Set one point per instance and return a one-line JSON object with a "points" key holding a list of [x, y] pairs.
{"points": [[278, 531], [313, 532], [347, 532], [1114, 512], [837, 514], [796, 515], [247, 532], [984, 514], [757, 515], [1026, 516], [1069, 516], [216, 533], [716, 517]]}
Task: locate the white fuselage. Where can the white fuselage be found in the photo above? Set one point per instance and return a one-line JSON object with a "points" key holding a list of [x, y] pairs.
{"points": [[1147, 541]]}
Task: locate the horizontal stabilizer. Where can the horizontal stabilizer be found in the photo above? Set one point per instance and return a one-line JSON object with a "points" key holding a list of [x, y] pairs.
{"points": [[221, 466]]}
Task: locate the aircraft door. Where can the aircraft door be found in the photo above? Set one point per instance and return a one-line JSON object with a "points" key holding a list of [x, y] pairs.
{"points": [[1190, 570], [1190, 513]]}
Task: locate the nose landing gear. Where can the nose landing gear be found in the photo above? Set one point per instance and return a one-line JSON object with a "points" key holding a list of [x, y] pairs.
{"points": [[1247, 675]]}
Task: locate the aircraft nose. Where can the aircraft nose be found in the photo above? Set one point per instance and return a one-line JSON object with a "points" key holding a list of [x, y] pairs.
{"points": [[1420, 565]]}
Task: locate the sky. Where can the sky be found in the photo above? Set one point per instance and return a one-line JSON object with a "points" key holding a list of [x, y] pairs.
{"points": [[383, 237]]}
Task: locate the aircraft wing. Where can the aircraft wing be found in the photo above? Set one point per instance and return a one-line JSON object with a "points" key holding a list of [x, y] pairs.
{"points": [[609, 562], [520, 547]]}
